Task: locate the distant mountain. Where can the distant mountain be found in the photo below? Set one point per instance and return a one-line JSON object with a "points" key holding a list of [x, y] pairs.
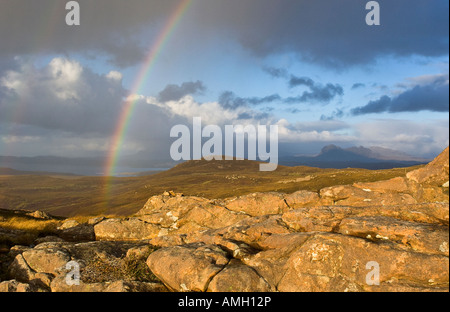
{"points": [[13, 172], [333, 156], [90, 166], [381, 153]]}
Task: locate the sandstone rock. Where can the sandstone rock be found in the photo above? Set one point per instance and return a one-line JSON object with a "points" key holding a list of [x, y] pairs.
{"points": [[434, 213], [21, 271], [48, 239], [59, 284], [16, 250], [250, 231], [139, 252], [187, 268], [168, 241], [330, 262], [78, 233], [435, 173], [94, 221], [301, 199], [211, 216], [346, 195], [177, 204], [281, 241], [68, 224], [397, 185], [237, 277], [49, 260], [322, 219], [239, 250], [39, 215], [125, 230], [188, 214], [102, 265], [271, 263], [14, 286], [258, 204], [133, 286], [427, 238]]}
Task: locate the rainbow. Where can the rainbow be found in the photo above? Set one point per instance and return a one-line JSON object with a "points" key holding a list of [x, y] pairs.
{"points": [[127, 110]]}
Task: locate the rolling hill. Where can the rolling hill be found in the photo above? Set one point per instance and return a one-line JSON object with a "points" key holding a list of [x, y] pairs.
{"points": [[332, 156], [124, 196]]}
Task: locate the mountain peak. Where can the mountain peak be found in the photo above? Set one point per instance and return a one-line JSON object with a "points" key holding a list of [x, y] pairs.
{"points": [[329, 148]]}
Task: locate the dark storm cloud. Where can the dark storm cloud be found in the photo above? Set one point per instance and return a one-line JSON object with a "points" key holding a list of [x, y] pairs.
{"points": [[317, 93], [276, 72], [338, 113], [107, 27], [61, 96], [301, 81], [332, 32], [253, 116], [175, 92], [328, 32], [229, 100], [358, 85], [431, 97]]}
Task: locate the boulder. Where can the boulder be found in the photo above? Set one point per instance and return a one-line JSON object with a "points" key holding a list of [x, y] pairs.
{"points": [[78, 233], [395, 185], [189, 267], [347, 195], [49, 260], [251, 231], [258, 204], [94, 221], [131, 229], [21, 271], [322, 219], [186, 214], [237, 277], [331, 262], [14, 286], [426, 238], [39, 215], [435, 173], [59, 284], [68, 224], [301, 199]]}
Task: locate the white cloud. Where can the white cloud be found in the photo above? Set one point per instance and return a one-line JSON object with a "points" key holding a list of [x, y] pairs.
{"points": [[425, 138], [10, 139], [114, 75], [62, 96], [65, 77]]}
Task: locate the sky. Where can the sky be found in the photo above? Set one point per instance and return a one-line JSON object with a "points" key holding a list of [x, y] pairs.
{"points": [[314, 68]]}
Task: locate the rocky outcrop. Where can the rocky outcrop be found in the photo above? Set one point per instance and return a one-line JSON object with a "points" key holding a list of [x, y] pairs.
{"points": [[435, 173], [102, 266], [388, 235], [188, 268]]}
